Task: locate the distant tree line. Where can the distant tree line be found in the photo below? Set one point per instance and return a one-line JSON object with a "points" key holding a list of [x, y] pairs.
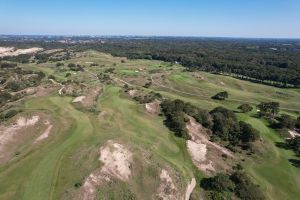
{"points": [[273, 62], [245, 59]]}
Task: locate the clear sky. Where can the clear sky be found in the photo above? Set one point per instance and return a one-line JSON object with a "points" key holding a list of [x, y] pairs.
{"points": [[225, 18]]}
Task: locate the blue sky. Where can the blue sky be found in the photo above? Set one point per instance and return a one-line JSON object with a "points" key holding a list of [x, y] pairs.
{"points": [[225, 18]]}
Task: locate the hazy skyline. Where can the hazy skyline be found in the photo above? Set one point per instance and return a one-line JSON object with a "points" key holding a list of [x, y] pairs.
{"points": [[212, 18]]}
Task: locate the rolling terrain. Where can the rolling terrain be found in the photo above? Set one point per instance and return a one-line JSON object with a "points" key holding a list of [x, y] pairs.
{"points": [[83, 115]]}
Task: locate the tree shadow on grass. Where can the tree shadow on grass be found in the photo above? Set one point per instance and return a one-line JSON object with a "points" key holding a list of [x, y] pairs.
{"points": [[295, 163], [282, 145]]}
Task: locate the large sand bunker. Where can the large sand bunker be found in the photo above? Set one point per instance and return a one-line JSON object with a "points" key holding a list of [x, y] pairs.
{"points": [[117, 164]]}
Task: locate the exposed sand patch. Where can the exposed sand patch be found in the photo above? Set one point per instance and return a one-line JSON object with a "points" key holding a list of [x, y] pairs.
{"points": [[11, 51], [116, 159], [190, 189], [132, 93], [9, 133], [197, 151], [153, 107], [293, 134], [78, 99], [6, 49], [45, 134], [167, 189], [206, 155], [117, 164], [195, 130]]}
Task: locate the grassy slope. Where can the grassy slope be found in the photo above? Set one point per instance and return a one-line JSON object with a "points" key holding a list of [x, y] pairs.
{"points": [[48, 172], [273, 171]]}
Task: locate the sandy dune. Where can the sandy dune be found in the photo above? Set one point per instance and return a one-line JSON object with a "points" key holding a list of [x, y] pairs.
{"points": [[11, 51]]}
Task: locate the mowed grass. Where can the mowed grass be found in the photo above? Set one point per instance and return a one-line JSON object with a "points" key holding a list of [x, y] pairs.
{"points": [[239, 91], [273, 171], [34, 176]]}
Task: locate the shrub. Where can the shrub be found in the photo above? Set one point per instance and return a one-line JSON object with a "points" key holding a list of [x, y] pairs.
{"points": [[245, 189], [245, 108], [8, 65], [220, 96], [297, 125], [286, 121], [51, 77], [9, 114], [248, 133], [59, 64], [75, 67], [220, 183]]}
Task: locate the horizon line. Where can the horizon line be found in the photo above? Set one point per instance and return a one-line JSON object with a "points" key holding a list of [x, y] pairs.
{"points": [[149, 36]]}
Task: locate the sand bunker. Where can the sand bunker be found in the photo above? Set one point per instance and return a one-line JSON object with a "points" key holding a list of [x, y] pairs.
{"points": [[117, 161]]}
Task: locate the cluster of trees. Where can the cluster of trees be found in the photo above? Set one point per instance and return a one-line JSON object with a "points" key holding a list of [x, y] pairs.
{"points": [[23, 79], [221, 121], [45, 57], [6, 65], [175, 117], [147, 98], [23, 58], [268, 109], [227, 128], [223, 186], [175, 113], [104, 78], [75, 67]]}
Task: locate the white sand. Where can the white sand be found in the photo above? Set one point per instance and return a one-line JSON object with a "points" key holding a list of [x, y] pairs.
{"points": [[78, 99]]}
